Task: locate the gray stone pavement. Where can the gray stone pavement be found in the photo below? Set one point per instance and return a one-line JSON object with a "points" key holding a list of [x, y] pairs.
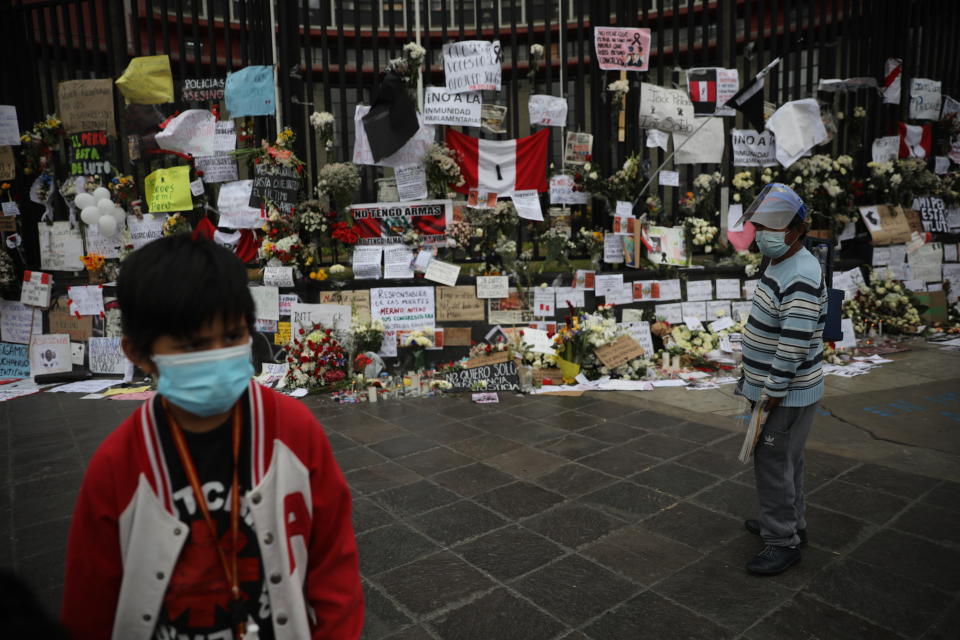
{"points": [[605, 516]]}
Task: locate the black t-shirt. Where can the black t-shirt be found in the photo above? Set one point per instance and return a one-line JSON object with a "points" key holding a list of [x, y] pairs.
{"points": [[198, 594]]}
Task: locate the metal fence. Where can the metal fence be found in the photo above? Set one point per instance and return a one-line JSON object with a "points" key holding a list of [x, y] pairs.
{"points": [[330, 54]]}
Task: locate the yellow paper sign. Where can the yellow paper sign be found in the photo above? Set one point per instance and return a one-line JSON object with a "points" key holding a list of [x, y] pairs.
{"points": [[282, 336], [168, 190], [147, 80]]}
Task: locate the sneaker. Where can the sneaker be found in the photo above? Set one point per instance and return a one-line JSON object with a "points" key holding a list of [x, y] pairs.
{"points": [[753, 526], [773, 560]]}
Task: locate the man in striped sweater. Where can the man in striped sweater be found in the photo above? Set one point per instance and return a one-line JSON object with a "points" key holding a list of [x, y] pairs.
{"points": [[782, 354]]}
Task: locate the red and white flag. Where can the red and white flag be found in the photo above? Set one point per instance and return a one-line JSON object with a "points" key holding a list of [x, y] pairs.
{"points": [[891, 80], [501, 166], [916, 141]]}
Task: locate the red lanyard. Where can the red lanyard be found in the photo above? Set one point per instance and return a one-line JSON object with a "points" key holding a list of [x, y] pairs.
{"points": [[229, 568]]}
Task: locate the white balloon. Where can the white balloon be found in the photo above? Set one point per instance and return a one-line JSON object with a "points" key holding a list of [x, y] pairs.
{"points": [[105, 206], [119, 215], [84, 200], [90, 215], [108, 226], [101, 193]]}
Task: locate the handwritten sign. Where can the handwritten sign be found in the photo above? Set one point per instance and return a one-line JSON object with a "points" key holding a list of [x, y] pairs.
{"points": [[472, 65], [192, 132], [278, 276], [278, 184], [233, 202], [16, 319], [498, 377], [752, 149], [87, 105], [168, 190], [458, 336], [665, 109], [14, 360], [36, 289], [146, 230], [457, 109], [62, 321], [202, 89], [925, 98], [402, 308], [622, 48], [933, 214], [549, 111], [561, 191], [493, 286], [88, 154], [9, 127], [50, 353], [459, 304], [221, 166], [60, 247], [86, 301], [359, 301], [250, 92], [106, 356], [329, 316], [619, 352], [266, 302]]}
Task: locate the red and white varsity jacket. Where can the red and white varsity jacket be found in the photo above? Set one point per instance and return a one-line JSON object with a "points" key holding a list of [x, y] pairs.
{"points": [[125, 537]]}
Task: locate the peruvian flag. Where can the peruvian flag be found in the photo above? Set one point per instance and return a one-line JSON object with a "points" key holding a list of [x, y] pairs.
{"points": [[891, 80], [916, 141], [501, 166], [703, 90]]}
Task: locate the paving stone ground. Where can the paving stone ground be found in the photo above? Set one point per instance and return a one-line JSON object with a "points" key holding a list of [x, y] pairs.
{"points": [[559, 517]]}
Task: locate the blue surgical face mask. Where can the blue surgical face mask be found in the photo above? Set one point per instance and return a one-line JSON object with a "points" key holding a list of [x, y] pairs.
{"points": [[205, 383], [772, 244]]}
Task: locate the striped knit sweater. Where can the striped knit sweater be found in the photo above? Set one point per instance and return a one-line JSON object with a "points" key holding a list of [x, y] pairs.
{"points": [[782, 341]]}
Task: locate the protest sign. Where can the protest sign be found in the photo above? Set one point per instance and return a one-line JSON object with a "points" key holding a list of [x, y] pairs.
{"points": [[278, 276], [459, 304], [85, 300], [108, 247], [106, 356], [548, 111], [250, 92], [619, 352], [233, 203], [665, 245], [277, 184], [36, 289], [202, 89], [192, 132], [411, 182], [358, 301], [527, 204], [885, 149], [622, 48], [639, 331], [146, 230], [456, 109], [710, 88], [221, 166], [501, 376], [703, 146], [578, 148], [402, 308], [367, 262], [88, 154], [514, 309], [168, 190], [386, 223], [561, 191], [887, 225], [493, 286], [50, 353], [266, 302], [147, 80], [329, 316], [61, 320], [18, 321], [86, 105], [752, 149], [14, 360], [925, 99], [933, 214], [60, 247], [472, 65], [665, 109], [442, 272]]}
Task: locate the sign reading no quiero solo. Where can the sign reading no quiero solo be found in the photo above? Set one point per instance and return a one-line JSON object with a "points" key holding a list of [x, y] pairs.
{"points": [[472, 65]]}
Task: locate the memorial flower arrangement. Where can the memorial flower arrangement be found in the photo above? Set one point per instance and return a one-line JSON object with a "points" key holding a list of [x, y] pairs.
{"points": [[176, 223], [124, 189], [367, 336], [701, 201], [886, 302], [418, 342], [38, 144], [345, 233], [618, 91], [93, 261], [312, 217], [442, 170], [282, 245], [557, 246], [322, 123], [701, 233], [590, 242], [316, 360], [279, 154], [824, 185], [899, 182], [337, 183], [409, 63]]}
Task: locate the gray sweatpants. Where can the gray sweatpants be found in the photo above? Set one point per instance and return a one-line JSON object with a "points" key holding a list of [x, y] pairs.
{"points": [[778, 466]]}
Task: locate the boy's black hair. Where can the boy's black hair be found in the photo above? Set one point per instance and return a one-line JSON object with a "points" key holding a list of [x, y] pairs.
{"points": [[176, 285]]}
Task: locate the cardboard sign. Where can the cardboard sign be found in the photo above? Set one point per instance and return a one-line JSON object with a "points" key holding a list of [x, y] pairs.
{"points": [[202, 89], [622, 48], [458, 336], [498, 377], [147, 80], [497, 357], [14, 360], [459, 304], [887, 225], [62, 321], [665, 109], [752, 149], [168, 190], [578, 147], [456, 109], [619, 352], [50, 353], [472, 65], [278, 184], [386, 223], [250, 92], [88, 154], [358, 301], [933, 214], [191, 132], [86, 105]]}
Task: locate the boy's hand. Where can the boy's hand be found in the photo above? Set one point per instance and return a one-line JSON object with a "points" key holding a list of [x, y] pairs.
{"points": [[772, 403]]}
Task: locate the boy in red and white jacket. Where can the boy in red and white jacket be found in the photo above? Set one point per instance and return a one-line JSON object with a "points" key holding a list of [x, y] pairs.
{"points": [[161, 546]]}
